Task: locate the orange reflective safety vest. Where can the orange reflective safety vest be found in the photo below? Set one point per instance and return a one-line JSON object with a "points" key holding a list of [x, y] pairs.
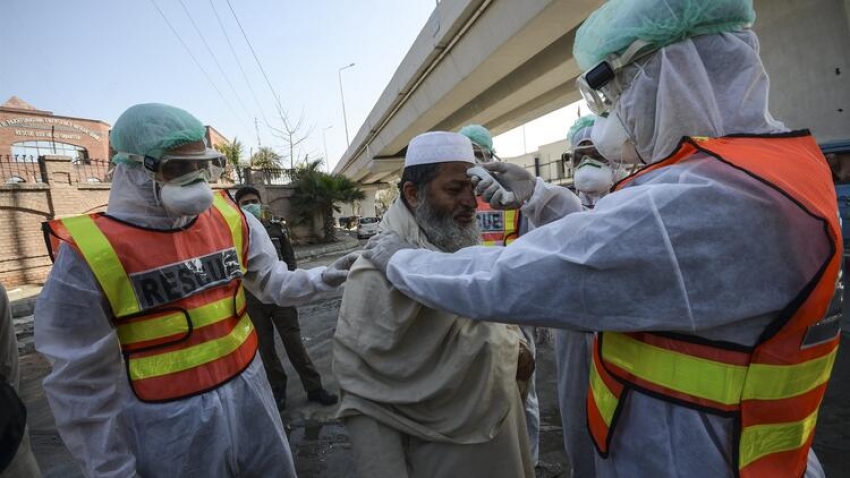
{"points": [[772, 390], [498, 228], [176, 296]]}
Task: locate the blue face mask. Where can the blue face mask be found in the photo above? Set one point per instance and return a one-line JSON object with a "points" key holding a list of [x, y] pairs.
{"points": [[254, 209]]}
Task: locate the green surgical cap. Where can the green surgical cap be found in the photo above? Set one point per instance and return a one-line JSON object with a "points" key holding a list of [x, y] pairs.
{"points": [[478, 135], [618, 23], [150, 129], [577, 131]]}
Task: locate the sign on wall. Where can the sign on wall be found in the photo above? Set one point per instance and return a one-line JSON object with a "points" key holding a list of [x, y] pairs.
{"points": [[29, 127]]}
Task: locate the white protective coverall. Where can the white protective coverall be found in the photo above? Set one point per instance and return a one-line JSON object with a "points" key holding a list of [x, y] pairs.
{"points": [[234, 430], [696, 248]]}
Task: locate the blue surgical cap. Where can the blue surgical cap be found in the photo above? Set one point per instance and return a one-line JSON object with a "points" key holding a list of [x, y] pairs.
{"points": [[619, 23], [150, 129], [478, 135], [581, 129]]}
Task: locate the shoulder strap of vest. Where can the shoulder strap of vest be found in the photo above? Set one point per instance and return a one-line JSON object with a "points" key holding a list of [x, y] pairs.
{"points": [[235, 220], [83, 234]]}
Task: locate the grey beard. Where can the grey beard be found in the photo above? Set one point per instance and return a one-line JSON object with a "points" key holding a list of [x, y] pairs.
{"points": [[443, 231]]}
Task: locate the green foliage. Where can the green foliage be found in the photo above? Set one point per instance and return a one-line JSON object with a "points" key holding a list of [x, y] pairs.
{"points": [[233, 152], [317, 193], [265, 158]]}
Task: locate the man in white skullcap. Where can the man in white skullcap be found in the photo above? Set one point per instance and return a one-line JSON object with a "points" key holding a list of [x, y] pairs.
{"points": [[427, 393]]}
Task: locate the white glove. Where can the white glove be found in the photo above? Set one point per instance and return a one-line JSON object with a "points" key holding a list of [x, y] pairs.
{"points": [[337, 272], [513, 178], [380, 249]]}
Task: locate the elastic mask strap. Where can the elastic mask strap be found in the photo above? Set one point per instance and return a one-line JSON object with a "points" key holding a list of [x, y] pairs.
{"points": [[631, 54]]}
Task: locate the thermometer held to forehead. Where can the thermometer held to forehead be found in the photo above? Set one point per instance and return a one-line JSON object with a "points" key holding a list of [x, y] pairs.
{"points": [[478, 174]]}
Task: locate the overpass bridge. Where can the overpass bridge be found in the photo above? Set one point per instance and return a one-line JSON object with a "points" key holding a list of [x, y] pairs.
{"points": [[502, 63]]}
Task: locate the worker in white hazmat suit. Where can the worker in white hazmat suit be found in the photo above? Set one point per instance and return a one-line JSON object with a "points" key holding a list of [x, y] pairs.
{"points": [[594, 175], [716, 315], [155, 371], [593, 178]]}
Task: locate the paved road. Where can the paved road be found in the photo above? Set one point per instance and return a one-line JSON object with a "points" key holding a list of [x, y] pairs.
{"points": [[320, 444]]}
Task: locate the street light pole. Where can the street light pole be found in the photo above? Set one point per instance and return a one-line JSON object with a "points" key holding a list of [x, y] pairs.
{"points": [[342, 97], [325, 141]]}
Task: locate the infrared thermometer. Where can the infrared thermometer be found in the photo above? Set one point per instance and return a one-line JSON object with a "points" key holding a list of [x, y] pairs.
{"points": [[477, 173]]}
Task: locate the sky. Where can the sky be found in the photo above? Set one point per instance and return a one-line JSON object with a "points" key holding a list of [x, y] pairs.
{"points": [[93, 59]]}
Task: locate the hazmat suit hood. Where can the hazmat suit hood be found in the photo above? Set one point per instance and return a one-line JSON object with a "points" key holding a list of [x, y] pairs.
{"points": [[708, 85], [134, 199]]}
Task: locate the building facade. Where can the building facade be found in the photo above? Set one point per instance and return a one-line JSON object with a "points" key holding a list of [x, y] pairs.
{"points": [[550, 162], [27, 133]]}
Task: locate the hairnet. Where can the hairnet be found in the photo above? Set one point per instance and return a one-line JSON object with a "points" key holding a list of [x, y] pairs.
{"points": [[478, 135], [618, 23], [150, 129], [710, 85], [580, 130]]}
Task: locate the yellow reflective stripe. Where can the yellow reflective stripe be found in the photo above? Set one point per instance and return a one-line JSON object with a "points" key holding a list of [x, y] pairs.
{"points": [[694, 376], [175, 323], [760, 440], [234, 221], [104, 263], [185, 359], [605, 400], [774, 382]]}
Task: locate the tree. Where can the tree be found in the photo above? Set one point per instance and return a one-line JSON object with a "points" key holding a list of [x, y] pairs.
{"points": [[384, 199], [292, 133], [265, 158], [233, 153], [316, 193]]}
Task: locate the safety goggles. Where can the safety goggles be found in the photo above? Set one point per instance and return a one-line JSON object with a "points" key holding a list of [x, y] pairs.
{"points": [[181, 169], [481, 156], [600, 87], [586, 152]]}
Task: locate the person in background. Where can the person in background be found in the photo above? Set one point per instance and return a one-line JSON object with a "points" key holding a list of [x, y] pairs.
{"points": [[500, 228], [267, 317], [16, 458], [143, 316], [593, 179], [838, 157], [426, 393], [717, 320], [594, 175]]}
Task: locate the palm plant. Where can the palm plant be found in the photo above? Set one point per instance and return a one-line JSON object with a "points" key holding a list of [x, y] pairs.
{"points": [[233, 153], [317, 193], [267, 160]]}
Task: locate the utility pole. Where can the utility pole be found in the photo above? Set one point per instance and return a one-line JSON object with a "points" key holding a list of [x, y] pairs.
{"points": [[257, 129], [342, 97]]}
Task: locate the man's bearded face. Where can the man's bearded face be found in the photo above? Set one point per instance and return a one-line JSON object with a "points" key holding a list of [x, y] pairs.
{"points": [[445, 209]]}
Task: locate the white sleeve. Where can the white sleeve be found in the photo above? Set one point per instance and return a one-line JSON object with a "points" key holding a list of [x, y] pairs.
{"points": [[549, 203], [676, 257], [268, 278], [87, 384]]}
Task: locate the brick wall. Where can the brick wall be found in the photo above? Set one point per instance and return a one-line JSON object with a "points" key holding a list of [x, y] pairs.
{"points": [[23, 207], [21, 125]]}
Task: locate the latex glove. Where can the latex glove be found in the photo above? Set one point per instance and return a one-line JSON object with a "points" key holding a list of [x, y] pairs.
{"points": [[337, 272], [380, 249], [513, 178]]}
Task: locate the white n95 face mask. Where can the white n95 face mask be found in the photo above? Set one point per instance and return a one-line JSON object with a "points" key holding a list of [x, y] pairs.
{"points": [[594, 177], [189, 200], [612, 141]]}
